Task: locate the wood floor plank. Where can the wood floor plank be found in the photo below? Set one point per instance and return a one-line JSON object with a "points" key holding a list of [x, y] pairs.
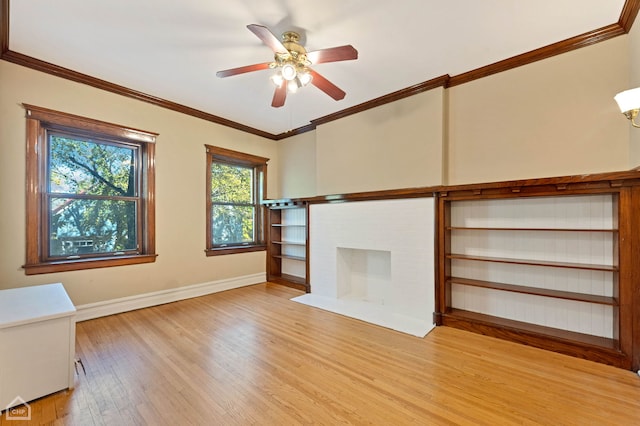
{"points": [[253, 356]]}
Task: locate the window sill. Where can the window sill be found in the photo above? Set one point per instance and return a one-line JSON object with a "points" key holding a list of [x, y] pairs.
{"points": [[91, 263], [220, 251]]}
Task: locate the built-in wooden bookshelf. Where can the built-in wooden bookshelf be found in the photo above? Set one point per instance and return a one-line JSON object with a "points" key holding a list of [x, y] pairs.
{"points": [[287, 243], [545, 265]]}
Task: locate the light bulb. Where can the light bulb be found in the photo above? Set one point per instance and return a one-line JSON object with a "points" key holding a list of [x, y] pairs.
{"points": [[292, 86], [289, 71], [277, 79], [305, 78]]}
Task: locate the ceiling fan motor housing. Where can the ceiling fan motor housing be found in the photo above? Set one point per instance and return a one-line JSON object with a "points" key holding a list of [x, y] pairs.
{"points": [[296, 56]]}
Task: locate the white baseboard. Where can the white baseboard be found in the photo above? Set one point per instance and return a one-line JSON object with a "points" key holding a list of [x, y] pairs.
{"points": [[139, 301]]}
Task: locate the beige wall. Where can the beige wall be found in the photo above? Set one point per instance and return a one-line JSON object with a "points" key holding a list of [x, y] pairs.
{"points": [[634, 81], [180, 183], [397, 145], [297, 159], [554, 117], [551, 118]]}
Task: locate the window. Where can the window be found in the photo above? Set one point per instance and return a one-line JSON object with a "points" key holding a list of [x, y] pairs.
{"points": [[90, 192], [235, 186]]}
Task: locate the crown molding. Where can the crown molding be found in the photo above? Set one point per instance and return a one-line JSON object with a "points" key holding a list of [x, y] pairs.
{"points": [[296, 131], [623, 26], [629, 14], [391, 97], [4, 27], [46, 67], [573, 43]]}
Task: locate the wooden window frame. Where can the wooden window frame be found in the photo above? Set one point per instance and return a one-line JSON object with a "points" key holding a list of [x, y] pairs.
{"points": [[259, 165], [40, 121]]}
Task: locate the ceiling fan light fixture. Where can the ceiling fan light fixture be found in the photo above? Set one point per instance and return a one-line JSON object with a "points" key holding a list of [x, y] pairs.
{"points": [[289, 71]]}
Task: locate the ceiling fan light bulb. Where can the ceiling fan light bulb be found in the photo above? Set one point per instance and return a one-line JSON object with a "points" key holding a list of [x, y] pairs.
{"points": [[277, 79], [305, 78], [289, 72], [292, 86]]}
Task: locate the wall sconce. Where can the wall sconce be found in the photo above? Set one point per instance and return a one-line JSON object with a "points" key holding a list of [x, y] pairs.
{"points": [[629, 104]]}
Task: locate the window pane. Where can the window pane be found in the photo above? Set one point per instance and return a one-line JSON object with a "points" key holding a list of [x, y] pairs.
{"points": [[231, 184], [232, 224], [81, 226], [83, 167]]}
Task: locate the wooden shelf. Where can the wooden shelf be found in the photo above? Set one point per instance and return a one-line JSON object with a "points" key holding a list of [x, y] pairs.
{"points": [[585, 266], [471, 228], [289, 243], [500, 224], [290, 281], [294, 279], [520, 327], [567, 295], [286, 256], [288, 228]]}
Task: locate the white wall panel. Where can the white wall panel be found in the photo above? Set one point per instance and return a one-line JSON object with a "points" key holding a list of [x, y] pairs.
{"points": [[593, 212], [295, 234], [569, 315]]}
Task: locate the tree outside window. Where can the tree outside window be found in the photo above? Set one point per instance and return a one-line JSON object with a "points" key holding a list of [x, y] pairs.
{"points": [[235, 187], [93, 197]]}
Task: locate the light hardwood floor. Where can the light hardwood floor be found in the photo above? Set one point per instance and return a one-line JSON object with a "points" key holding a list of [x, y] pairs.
{"points": [[252, 356]]}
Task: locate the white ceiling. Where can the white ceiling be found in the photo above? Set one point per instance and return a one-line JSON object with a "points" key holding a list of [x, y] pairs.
{"points": [[172, 49]]}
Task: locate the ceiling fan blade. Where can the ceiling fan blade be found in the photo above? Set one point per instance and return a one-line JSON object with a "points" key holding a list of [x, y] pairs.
{"points": [[326, 86], [279, 96], [242, 70], [267, 38], [333, 54]]}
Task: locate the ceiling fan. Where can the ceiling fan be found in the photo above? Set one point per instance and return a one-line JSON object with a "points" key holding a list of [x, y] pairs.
{"points": [[293, 62]]}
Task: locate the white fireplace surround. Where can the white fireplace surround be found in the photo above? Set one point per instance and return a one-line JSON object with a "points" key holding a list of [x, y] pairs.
{"points": [[374, 261]]}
